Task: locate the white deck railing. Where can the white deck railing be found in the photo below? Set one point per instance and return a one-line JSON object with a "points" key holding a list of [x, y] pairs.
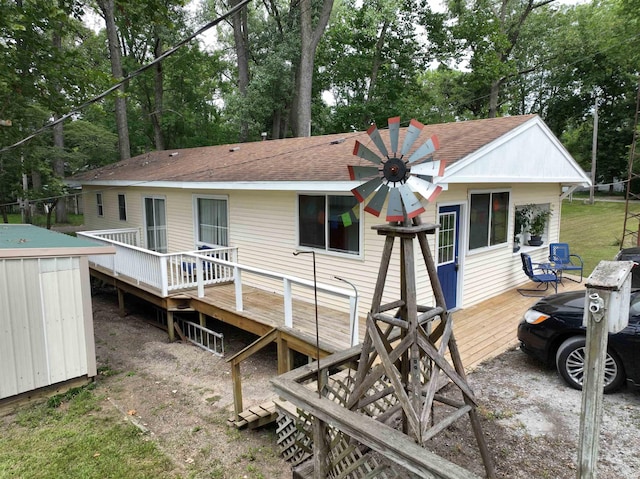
{"points": [[169, 272]]}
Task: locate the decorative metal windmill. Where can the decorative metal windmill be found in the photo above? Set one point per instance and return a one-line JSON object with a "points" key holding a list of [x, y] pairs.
{"points": [[404, 355], [395, 177]]}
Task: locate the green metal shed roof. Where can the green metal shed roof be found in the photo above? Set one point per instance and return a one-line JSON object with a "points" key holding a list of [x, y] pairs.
{"points": [[17, 240]]}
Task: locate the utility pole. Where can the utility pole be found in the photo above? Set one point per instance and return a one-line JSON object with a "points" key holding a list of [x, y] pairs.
{"points": [[594, 148]]}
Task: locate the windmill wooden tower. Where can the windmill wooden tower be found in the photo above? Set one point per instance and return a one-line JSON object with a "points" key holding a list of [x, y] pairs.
{"points": [[380, 406], [414, 362]]}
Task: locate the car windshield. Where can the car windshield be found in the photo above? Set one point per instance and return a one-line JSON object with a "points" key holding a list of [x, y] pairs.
{"points": [[634, 307]]}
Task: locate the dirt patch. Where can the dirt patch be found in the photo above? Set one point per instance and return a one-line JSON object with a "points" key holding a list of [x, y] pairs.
{"points": [[182, 396]]}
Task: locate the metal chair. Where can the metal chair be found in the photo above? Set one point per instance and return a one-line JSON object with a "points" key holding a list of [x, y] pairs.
{"points": [[563, 260], [538, 273]]}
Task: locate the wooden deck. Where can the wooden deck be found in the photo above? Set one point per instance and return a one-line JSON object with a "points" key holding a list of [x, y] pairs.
{"points": [[482, 331]]}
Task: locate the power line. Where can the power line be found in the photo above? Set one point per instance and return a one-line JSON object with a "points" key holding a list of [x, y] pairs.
{"points": [[137, 72]]}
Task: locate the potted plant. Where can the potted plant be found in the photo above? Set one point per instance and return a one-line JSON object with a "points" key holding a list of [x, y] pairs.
{"points": [[521, 226], [537, 223]]}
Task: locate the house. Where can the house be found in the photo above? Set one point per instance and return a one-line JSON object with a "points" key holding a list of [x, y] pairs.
{"points": [[268, 199], [46, 320]]}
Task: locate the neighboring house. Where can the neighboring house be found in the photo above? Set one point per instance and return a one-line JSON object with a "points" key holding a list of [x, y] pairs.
{"points": [[271, 198], [46, 320]]}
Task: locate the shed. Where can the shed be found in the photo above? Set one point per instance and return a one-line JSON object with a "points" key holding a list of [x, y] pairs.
{"points": [[46, 319]]}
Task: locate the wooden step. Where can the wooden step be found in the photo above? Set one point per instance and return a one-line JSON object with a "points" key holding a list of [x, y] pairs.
{"points": [[255, 416]]}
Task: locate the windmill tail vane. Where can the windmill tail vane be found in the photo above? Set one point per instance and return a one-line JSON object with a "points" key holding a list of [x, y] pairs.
{"points": [[391, 176]]}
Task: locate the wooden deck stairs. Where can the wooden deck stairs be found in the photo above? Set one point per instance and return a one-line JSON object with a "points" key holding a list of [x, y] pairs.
{"points": [[255, 416]]}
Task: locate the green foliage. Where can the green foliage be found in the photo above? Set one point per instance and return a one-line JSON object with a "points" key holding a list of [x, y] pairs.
{"points": [[71, 437]]}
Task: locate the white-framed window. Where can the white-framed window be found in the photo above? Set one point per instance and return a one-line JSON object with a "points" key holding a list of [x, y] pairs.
{"points": [[488, 218], [329, 222], [212, 220], [99, 205], [155, 223], [122, 207]]}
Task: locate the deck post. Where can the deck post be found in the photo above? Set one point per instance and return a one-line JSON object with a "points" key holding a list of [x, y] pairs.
{"points": [[200, 278], [320, 448], [238, 284], [285, 355], [170, 327], [236, 378], [164, 279], [203, 319], [121, 310], [288, 303]]}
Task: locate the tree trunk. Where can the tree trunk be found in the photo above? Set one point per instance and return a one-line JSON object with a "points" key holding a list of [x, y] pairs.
{"points": [[158, 94], [58, 139], [493, 98], [377, 59], [239, 22], [107, 7], [309, 38]]}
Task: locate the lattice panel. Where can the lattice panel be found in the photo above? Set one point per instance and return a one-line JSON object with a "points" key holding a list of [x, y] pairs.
{"points": [[294, 436], [348, 462]]}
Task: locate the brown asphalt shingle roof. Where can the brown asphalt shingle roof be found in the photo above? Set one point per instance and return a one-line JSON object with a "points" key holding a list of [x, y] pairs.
{"points": [[316, 158]]}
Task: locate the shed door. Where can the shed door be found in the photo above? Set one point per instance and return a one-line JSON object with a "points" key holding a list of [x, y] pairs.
{"points": [[449, 219], [156, 224]]}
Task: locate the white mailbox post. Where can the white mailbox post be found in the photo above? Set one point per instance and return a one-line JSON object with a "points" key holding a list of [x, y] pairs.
{"points": [[606, 311]]}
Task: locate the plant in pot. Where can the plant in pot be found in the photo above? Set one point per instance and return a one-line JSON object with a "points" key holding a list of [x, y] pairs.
{"points": [[521, 226], [538, 221]]}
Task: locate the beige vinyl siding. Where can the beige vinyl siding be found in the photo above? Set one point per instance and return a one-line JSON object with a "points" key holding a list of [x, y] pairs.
{"points": [[494, 270], [111, 215]]}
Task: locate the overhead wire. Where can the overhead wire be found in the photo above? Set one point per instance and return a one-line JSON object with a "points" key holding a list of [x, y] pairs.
{"points": [[207, 26]]}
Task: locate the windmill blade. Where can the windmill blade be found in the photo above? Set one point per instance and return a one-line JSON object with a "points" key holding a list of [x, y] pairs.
{"points": [[427, 148], [374, 134], [375, 205], [363, 191], [394, 208], [431, 168], [428, 191], [362, 172], [394, 131], [363, 152], [413, 132], [411, 202]]}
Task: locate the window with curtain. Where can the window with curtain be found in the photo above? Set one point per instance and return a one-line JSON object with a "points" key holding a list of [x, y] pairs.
{"points": [[488, 219], [329, 222], [122, 207], [212, 221], [99, 206]]}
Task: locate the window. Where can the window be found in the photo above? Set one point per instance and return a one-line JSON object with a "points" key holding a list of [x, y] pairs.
{"points": [[212, 224], [122, 207], [99, 204], [329, 222], [488, 219], [156, 224]]}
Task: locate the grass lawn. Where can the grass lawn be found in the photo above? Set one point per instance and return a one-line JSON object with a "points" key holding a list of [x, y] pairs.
{"points": [[41, 220], [71, 436], [593, 231]]}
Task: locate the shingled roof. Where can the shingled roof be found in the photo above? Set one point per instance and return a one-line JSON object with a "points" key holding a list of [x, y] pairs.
{"points": [[316, 158]]}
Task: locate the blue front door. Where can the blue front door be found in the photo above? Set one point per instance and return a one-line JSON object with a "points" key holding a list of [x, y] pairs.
{"points": [[449, 219]]}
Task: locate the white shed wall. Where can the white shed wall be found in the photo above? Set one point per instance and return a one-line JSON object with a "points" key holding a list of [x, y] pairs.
{"points": [[46, 333]]}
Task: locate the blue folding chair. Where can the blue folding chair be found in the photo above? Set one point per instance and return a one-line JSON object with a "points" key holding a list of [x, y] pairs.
{"points": [[538, 273], [563, 260]]}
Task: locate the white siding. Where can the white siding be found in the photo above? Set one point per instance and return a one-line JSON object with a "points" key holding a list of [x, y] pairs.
{"points": [[43, 337], [263, 228]]}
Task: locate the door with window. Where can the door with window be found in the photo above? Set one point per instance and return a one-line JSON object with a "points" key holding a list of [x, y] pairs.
{"points": [[156, 224], [448, 235]]}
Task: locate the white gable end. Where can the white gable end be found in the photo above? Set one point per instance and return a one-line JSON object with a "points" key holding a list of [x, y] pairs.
{"points": [[529, 153]]}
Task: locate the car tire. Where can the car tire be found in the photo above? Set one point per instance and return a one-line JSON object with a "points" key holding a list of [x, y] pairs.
{"points": [[570, 360]]}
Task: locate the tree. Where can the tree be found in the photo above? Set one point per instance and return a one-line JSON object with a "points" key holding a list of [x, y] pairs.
{"points": [[107, 8], [487, 31], [310, 35]]}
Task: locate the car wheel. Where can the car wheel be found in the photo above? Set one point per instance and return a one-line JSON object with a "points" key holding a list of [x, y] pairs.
{"points": [[570, 360]]}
